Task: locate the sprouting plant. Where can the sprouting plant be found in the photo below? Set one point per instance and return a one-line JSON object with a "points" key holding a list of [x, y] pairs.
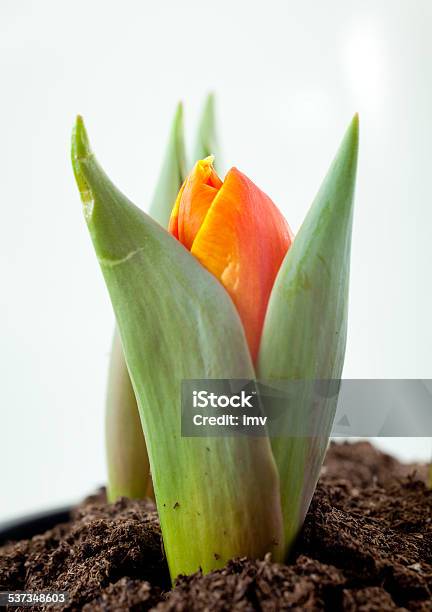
{"points": [[226, 293]]}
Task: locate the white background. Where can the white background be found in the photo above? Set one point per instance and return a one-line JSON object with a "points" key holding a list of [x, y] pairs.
{"points": [[288, 76]]}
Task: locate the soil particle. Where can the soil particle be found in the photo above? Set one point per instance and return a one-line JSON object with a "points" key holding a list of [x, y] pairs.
{"points": [[366, 546]]}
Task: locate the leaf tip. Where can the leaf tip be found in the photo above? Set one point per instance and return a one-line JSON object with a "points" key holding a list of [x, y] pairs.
{"points": [[80, 151], [80, 142], [346, 159], [355, 126], [178, 117], [353, 132], [209, 104], [178, 123]]}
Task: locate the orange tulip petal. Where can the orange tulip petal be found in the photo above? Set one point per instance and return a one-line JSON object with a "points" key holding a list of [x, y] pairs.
{"points": [[242, 240], [194, 201]]}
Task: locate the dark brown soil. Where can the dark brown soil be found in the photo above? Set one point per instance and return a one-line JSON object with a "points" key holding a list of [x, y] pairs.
{"points": [[366, 545]]}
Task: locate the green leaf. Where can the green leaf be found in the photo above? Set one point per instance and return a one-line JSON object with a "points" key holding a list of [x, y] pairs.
{"points": [[177, 322], [304, 332], [127, 459], [206, 140], [172, 174], [128, 464]]}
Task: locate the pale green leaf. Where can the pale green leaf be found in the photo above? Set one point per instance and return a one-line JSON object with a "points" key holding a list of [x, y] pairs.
{"points": [[127, 460], [172, 174], [304, 332]]}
